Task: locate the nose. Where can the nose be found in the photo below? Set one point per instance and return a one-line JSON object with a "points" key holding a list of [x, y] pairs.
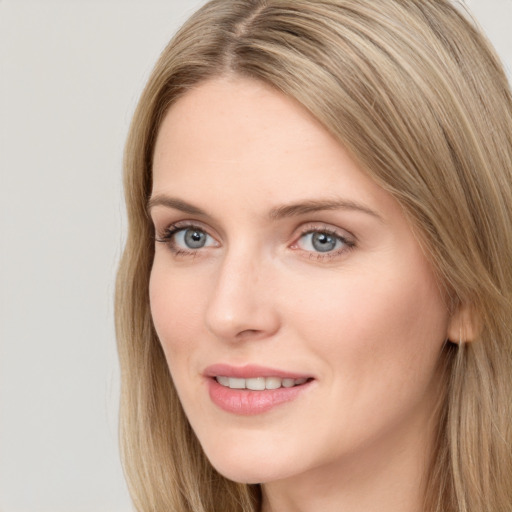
{"points": [[242, 304]]}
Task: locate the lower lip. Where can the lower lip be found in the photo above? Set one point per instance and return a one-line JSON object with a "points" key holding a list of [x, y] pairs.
{"points": [[246, 402]]}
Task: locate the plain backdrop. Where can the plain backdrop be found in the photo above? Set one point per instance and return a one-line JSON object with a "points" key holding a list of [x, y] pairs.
{"points": [[71, 72]]}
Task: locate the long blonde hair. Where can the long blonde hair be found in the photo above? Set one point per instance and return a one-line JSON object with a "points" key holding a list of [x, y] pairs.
{"points": [[417, 95]]}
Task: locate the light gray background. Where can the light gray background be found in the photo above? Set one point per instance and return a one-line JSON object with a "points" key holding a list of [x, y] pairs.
{"points": [[71, 72]]}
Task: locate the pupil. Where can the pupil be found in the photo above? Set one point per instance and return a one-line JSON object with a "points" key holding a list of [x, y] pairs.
{"points": [[322, 242], [195, 239]]}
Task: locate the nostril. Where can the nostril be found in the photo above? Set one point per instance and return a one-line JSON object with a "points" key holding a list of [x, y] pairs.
{"points": [[248, 333]]}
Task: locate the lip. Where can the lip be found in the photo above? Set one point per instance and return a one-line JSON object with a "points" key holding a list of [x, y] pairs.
{"points": [[250, 371], [247, 402]]}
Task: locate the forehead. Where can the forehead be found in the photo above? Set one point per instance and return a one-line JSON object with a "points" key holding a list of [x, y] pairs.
{"points": [[230, 117], [235, 138]]}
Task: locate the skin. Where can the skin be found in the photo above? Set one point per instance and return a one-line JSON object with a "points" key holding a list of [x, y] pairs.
{"points": [[368, 322]]}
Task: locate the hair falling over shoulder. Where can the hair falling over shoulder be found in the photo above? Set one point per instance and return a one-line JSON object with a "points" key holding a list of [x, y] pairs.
{"points": [[417, 95]]}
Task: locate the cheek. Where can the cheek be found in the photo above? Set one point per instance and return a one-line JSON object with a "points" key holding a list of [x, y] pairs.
{"points": [[376, 340], [392, 322], [176, 302]]}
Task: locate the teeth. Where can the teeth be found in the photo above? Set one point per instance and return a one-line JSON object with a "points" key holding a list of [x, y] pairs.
{"points": [[272, 382], [288, 383], [223, 380], [236, 383], [259, 383]]}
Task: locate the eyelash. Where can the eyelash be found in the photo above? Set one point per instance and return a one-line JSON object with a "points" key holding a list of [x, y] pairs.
{"points": [[348, 244], [167, 237]]}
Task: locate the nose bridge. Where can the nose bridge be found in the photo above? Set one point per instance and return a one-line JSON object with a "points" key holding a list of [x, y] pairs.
{"points": [[241, 302]]}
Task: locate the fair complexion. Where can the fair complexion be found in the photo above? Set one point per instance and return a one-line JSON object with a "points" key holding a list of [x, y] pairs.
{"points": [[275, 253]]}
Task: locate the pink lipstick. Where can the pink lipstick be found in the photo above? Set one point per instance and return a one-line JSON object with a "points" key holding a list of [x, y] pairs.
{"points": [[251, 389]]}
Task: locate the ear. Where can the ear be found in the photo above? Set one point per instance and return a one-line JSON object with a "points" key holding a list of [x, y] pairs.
{"points": [[464, 325]]}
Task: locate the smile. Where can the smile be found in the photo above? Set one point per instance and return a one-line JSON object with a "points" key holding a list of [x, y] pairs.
{"points": [[253, 390], [259, 383]]}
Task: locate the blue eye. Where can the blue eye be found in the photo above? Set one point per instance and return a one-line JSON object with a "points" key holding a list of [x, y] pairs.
{"points": [[187, 239], [191, 238], [321, 241]]}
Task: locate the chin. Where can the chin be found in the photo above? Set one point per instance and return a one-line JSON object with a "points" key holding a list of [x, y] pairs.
{"points": [[244, 467], [243, 474]]}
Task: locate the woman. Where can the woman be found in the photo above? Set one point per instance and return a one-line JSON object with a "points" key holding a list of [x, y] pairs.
{"points": [[313, 306]]}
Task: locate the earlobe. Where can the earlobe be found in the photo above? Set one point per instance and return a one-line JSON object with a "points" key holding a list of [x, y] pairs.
{"points": [[464, 326]]}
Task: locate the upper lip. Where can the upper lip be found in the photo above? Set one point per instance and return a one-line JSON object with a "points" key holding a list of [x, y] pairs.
{"points": [[250, 371]]}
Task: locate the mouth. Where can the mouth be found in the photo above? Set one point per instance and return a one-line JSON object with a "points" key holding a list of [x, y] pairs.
{"points": [[259, 383], [252, 390]]}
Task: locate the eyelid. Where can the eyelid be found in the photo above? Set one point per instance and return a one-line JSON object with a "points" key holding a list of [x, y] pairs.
{"points": [[322, 227], [184, 224], [348, 240], [168, 233]]}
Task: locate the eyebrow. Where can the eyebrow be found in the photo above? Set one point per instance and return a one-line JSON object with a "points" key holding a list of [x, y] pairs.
{"points": [[175, 203], [311, 206], [277, 213]]}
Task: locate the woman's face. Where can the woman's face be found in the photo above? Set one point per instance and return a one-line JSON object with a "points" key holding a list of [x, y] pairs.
{"points": [[281, 267]]}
